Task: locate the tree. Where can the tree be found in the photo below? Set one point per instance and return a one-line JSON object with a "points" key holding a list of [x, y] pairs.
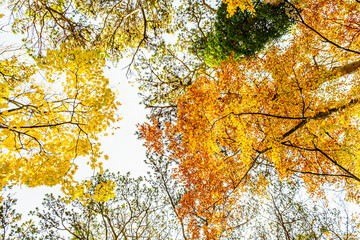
{"points": [[167, 66], [53, 113], [244, 33], [9, 222], [110, 26], [47, 122], [135, 211], [162, 179], [293, 108], [285, 211]]}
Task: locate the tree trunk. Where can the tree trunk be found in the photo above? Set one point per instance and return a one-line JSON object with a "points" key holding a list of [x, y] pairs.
{"points": [[347, 69]]}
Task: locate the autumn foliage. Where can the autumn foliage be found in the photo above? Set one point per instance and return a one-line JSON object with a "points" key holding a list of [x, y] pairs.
{"points": [[294, 108], [285, 104], [53, 115]]}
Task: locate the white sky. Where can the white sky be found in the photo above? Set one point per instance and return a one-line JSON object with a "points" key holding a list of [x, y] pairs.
{"points": [[126, 153]]}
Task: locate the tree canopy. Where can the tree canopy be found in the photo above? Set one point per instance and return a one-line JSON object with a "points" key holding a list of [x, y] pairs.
{"points": [[244, 33], [140, 209], [135, 210], [293, 108], [233, 110], [63, 93], [111, 26]]}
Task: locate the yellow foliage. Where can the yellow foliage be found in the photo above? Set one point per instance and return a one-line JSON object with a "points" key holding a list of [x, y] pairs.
{"points": [[243, 5], [294, 108], [86, 192], [46, 123]]}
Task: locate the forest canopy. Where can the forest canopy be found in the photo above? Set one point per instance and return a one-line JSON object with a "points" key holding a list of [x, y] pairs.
{"points": [[253, 104], [292, 107]]}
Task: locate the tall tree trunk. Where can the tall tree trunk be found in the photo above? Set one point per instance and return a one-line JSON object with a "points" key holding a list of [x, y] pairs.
{"points": [[347, 69]]}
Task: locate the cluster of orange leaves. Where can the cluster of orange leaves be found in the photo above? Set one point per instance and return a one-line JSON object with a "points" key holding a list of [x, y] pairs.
{"points": [[294, 107]]}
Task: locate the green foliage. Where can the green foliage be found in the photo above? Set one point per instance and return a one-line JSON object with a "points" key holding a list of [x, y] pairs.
{"points": [[109, 26], [287, 212], [166, 67], [137, 211], [11, 227], [244, 33], [141, 211]]}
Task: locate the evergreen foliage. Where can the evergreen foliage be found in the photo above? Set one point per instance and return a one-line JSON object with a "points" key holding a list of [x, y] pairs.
{"points": [[244, 33]]}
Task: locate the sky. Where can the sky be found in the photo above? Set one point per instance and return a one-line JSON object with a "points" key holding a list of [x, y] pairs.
{"points": [[126, 152]]}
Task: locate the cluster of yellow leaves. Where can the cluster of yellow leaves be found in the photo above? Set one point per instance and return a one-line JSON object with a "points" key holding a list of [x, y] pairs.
{"points": [[295, 108], [243, 5], [13, 73], [85, 192], [55, 116]]}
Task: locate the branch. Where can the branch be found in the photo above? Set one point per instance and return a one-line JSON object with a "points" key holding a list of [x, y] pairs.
{"points": [[172, 203], [349, 174], [325, 114], [43, 126], [142, 40], [281, 220], [338, 165], [347, 69], [208, 6], [291, 131], [319, 174], [269, 115], [315, 31], [320, 115], [71, 24]]}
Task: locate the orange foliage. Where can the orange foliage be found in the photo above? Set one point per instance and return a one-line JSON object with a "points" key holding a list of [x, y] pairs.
{"points": [[295, 108], [153, 137]]}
